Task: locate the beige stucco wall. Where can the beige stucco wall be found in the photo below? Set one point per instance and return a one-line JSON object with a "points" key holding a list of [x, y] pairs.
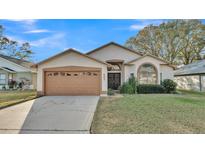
{"points": [[34, 80], [188, 82], [128, 70], [71, 59], [203, 82], [114, 52], [167, 72]]}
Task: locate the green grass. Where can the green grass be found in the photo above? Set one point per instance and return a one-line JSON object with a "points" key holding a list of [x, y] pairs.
{"points": [[151, 113], [8, 98]]}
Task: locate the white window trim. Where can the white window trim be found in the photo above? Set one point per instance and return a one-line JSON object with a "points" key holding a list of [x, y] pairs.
{"points": [[2, 79]]}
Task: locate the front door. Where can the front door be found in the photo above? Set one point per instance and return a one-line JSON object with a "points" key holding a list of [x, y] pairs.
{"points": [[114, 80]]}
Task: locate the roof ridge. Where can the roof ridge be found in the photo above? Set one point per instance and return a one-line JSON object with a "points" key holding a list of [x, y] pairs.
{"points": [[69, 50], [119, 45], [14, 58], [148, 54], [16, 61]]}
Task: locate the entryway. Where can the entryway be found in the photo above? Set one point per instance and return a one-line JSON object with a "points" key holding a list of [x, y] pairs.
{"points": [[114, 80]]}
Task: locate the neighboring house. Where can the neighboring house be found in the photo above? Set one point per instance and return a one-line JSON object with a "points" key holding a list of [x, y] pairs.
{"points": [[12, 69], [191, 76], [74, 73]]}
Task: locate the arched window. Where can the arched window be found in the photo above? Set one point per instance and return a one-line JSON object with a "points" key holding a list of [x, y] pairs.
{"points": [[147, 74], [115, 67]]}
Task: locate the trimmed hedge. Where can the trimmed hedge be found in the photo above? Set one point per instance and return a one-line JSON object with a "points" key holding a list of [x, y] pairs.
{"points": [[131, 87], [150, 88]]}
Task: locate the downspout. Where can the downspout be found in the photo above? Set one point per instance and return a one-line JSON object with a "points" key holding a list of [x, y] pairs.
{"points": [[200, 83]]}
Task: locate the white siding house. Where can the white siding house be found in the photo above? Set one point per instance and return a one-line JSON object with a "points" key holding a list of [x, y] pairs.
{"points": [[12, 69]]}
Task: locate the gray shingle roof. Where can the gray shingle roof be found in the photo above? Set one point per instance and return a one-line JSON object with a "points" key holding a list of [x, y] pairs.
{"points": [[7, 69], [21, 62], [195, 68]]}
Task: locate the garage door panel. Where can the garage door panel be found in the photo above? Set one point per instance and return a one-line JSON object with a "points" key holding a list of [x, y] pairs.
{"points": [[72, 82]]}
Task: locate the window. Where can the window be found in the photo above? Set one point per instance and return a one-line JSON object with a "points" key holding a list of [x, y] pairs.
{"points": [[89, 73], [62, 73], [160, 77], [115, 67], [49, 74], [147, 74], [55, 73], [2, 78]]}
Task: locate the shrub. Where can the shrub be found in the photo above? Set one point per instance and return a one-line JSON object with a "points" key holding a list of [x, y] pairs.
{"points": [[110, 92], [126, 88], [12, 84], [169, 85], [4, 88], [132, 81], [150, 88], [129, 87], [20, 84]]}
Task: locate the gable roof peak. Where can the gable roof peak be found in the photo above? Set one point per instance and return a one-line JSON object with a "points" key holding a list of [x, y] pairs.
{"points": [[155, 57], [70, 49], [116, 44], [21, 62], [67, 51]]}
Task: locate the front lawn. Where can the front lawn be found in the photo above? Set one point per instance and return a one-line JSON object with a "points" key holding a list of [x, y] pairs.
{"points": [[8, 98], [151, 113]]}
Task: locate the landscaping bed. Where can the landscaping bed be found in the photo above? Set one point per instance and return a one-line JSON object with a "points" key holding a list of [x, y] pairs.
{"points": [[151, 113]]}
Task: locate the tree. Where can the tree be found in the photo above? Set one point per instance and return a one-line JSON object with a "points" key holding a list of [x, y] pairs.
{"points": [[177, 41], [171, 43], [13, 48], [3, 40], [20, 52], [192, 34], [148, 40]]}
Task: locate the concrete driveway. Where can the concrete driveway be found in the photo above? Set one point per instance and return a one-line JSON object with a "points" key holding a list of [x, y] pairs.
{"points": [[50, 114]]}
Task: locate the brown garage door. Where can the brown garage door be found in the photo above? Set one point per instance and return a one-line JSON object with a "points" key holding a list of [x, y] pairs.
{"points": [[73, 82]]}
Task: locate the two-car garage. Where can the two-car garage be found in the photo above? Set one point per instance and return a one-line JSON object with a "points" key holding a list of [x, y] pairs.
{"points": [[71, 73], [72, 81]]}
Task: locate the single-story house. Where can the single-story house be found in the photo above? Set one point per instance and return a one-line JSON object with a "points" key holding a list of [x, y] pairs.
{"points": [[191, 76], [16, 70], [75, 73]]}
